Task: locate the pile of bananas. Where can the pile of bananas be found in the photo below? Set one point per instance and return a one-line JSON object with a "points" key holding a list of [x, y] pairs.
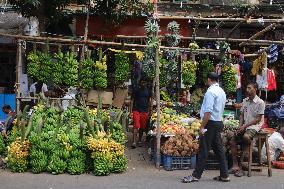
{"points": [[77, 162], [39, 160], [189, 73], [119, 164], [229, 79], [121, 67], [56, 165], [102, 164], [87, 73], [100, 74], [18, 153], [58, 77]]}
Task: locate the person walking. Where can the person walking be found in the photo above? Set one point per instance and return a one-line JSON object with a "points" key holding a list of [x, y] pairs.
{"points": [[210, 132], [141, 109]]}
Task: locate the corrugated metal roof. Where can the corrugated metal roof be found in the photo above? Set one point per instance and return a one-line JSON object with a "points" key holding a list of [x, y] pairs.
{"points": [[12, 20]]}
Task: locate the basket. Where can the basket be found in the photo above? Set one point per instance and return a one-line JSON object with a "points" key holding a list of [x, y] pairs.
{"points": [[171, 163]]}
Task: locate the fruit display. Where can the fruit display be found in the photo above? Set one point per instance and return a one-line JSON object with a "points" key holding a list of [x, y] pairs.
{"points": [[231, 125], [87, 73], [100, 74], [58, 78], [121, 68], [189, 73], [57, 142], [163, 72], [229, 79], [182, 144], [171, 128], [194, 127]]}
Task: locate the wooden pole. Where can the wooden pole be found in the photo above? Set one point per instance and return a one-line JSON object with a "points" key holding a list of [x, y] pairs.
{"points": [[158, 105], [86, 33], [260, 33], [19, 74]]}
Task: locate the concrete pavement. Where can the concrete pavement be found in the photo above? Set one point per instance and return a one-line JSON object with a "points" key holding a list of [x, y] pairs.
{"points": [[141, 174]]}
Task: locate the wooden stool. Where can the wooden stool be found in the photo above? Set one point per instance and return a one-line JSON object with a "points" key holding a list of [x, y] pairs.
{"points": [[261, 136]]}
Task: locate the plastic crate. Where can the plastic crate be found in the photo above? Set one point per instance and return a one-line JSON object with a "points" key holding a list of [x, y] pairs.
{"points": [[179, 163]]}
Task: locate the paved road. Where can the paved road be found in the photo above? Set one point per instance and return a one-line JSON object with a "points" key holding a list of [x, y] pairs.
{"points": [[140, 175]]}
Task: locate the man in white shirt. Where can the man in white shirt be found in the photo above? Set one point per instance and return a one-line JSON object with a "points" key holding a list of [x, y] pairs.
{"points": [[276, 145]]}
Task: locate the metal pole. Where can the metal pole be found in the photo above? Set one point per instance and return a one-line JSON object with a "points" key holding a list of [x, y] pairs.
{"points": [[19, 74], [158, 105]]}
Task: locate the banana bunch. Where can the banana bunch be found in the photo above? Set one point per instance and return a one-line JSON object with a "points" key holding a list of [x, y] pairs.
{"points": [[189, 73], [70, 70], [121, 67], [77, 162], [102, 164], [58, 68], [18, 155], [116, 148], [193, 46], [229, 79], [205, 67], [117, 133], [119, 163], [33, 65], [87, 73], [39, 160], [56, 165], [100, 74], [98, 145]]}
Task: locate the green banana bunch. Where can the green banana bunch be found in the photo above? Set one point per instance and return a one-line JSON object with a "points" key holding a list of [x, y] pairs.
{"points": [[87, 73], [206, 66], [39, 160], [189, 73], [102, 164], [121, 67], [229, 79], [117, 133], [119, 164], [70, 70], [56, 165], [2, 145]]}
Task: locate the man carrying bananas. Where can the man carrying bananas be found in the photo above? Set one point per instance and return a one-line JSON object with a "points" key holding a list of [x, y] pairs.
{"points": [[140, 111]]}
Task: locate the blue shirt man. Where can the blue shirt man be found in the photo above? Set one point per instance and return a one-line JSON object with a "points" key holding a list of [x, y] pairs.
{"points": [[214, 103]]}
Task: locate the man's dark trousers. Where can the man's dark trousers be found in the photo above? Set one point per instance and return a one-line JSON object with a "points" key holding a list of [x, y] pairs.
{"points": [[211, 139]]}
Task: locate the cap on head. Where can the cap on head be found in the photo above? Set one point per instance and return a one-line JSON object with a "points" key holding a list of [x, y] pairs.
{"points": [[213, 76]]}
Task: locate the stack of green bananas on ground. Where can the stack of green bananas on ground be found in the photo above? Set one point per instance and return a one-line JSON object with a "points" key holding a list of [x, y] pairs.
{"points": [[102, 164]]}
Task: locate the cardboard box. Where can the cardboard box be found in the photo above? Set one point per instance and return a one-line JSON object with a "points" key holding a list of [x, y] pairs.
{"points": [[106, 97]]}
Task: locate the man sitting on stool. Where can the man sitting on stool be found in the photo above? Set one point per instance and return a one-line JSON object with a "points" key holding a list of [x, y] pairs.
{"points": [[251, 121]]}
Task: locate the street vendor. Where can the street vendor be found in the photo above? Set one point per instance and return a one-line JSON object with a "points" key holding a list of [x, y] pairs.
{"points": [[251, 121], [141, 108], [276, 146], [210, 131]]}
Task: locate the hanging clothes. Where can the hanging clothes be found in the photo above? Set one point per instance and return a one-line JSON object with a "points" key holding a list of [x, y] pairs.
{"points": [[238, 75], [259, 63], [261, 80], [273, 53], [271, 80], [218, 69]]}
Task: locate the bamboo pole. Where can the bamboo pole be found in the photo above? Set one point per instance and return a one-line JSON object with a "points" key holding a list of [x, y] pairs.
{"points": [[158, 137], [260, 33], [19, 74], [248, 20]]}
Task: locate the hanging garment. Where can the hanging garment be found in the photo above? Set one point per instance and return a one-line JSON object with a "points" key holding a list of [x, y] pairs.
{"points": [[261, 80], [238, 75], [259, 64], [273, 53], [218, 69], [271, 79]]}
